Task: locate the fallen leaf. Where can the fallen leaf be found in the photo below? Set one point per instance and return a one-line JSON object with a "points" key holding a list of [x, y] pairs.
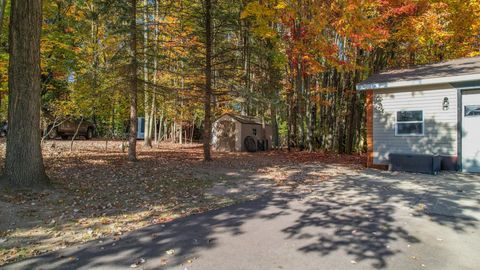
{"points": [[138, 263]]}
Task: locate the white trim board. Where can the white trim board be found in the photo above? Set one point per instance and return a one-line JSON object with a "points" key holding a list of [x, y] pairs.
{"points": [[397, 84]]}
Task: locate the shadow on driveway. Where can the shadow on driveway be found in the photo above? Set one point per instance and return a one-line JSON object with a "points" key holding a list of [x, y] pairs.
{"points": [[365, 217]]}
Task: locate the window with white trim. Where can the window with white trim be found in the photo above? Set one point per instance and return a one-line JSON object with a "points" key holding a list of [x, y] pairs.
{"points": [[409, 123]]}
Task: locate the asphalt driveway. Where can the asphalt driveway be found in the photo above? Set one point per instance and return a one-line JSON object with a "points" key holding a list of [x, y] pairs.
{"points": [[356, 220]]}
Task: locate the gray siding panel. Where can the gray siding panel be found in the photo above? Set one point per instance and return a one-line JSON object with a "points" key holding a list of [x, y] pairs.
{"points": [[440, 128]]}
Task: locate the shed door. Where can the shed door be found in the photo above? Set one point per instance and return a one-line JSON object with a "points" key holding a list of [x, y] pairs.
{"points": [[226, 136], [471, 131]]}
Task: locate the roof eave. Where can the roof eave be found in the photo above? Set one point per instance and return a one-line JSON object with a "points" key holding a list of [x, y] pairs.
{"points": [[399, 84]]}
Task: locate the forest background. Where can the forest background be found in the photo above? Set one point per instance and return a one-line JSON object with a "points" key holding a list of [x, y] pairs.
{"points": [[294, 64]]}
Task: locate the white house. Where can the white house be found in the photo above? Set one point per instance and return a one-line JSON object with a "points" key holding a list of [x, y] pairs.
{"points": [[431, 109]]}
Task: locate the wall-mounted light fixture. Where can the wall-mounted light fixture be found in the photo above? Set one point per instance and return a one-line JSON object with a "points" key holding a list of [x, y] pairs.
{"points": [[446, 104]]}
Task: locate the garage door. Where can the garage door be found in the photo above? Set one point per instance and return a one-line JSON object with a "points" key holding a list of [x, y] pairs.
{"points": [[471, 131]]}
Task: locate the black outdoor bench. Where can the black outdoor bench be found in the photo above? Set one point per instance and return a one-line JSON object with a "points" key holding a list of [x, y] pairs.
{"points": [[417, 163]]}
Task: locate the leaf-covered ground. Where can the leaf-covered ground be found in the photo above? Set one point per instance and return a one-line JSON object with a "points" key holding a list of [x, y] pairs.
{"points": [[97, 193]]}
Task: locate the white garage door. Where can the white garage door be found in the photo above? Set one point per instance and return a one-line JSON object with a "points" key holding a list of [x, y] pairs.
{"points": [[471, 131]]}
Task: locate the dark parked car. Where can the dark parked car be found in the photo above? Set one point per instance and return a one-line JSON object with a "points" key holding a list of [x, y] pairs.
{"points": [[3, 129], [68, 128]]}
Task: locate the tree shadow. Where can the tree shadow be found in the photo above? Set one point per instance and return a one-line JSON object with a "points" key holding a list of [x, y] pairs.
{"points": [[358, 214], [333, 207], [183, 238]]}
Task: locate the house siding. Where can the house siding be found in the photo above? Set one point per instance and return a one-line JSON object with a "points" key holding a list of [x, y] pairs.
{"points": [[440, 126]]}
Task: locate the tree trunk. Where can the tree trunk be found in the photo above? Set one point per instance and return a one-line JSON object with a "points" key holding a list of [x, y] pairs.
{"points": [[132, 141], [180, 133], [165, 130], [153, 110], [147, 101], [350, 139], [160, 129], [76, 134], [3, 5], [275, 138], [175, 133], [24, 162], [193, 129], [290, 112], [112, 132], [308, 109], [300, 115], [207, 134]]}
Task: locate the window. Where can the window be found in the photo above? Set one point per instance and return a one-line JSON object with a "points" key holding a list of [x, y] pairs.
{"points": [[254, 132], [472, 111], [409, 123]]}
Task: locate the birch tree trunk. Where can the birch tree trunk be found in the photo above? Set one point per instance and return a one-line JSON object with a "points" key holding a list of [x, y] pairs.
{"points": [[147, 101], [160, 128], [24, 162]]}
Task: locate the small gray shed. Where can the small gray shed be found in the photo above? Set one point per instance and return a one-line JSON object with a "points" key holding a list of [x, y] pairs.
{"points": [[231, 131], [431, 109]]}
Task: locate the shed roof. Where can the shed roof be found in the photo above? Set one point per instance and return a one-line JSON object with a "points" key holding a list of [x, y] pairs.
{"points": [[244, 119], [459, 70]]}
